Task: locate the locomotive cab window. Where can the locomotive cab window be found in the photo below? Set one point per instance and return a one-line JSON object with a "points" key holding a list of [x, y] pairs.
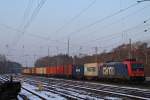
{"points": [[137, 66]]}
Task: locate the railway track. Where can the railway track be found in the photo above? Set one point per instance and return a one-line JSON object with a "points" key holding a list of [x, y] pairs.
{"points": [[31, 92], [60, 91], [70, 94], [80, 90], [99, 89], [22, 96]]}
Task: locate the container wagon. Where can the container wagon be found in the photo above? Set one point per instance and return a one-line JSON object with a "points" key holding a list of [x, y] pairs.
{"points": [[78, 71], [40, 71], [48, 71], [91, 70], [68, 71], [51, 71], [60, 71]]}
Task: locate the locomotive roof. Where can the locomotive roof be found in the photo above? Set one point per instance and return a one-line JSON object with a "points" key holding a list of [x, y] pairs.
{"points": [[114, 63]]}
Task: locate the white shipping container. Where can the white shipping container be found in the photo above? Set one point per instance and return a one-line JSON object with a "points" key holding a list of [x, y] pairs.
{"points": [[27, 71], [39, 70], [44, 70], [91, 69]]}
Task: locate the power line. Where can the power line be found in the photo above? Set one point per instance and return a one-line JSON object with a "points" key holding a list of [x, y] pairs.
{"points": [[121, 19], [34, 14], [33, 35], [105, 46], [42, 37], [111, 36], [30, 34], [76, 16], [109, 45], [104, 18], [102, 38], [142, 1], [136, 11], [26, 12], [126, 30]]}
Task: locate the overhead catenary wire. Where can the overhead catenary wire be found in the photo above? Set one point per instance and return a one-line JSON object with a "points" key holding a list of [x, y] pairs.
{"points": [[111, 36], [42, 37], [31, 34], [132, 27], [101, 48], [76, 16], [119, 20], [34, 14], [36, 36], [39, 36], [114, 34], [73, 17], [102, 19], [110, 45], [26, 13], [94, 1]]}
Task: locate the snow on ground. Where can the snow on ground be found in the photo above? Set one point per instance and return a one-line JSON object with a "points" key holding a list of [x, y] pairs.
{"points": [[19, 98], [112, 98], [29, 95], [111, 85], [78, 94], [84, 94], [51, 96], [47, 95]]}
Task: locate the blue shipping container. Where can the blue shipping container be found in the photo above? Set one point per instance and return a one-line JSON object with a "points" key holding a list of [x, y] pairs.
{"points": [[78, 71]]}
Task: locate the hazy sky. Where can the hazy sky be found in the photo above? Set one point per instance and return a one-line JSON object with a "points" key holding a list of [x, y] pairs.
{"points": [[87, 23]]}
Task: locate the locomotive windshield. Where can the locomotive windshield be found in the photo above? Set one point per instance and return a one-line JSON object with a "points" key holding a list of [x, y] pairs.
{"points": [[137, 66]]}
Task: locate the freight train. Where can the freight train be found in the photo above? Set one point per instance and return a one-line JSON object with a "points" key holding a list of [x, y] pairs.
{"points": [[130, 70]]}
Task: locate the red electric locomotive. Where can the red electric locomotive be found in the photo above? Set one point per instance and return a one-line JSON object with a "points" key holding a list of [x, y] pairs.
{"points": [[135, 69]]}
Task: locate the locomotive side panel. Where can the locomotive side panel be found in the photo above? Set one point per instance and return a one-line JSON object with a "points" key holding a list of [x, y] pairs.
{"points": [[113, 70]]}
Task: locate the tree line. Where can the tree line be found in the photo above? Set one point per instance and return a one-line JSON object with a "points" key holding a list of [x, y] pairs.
{"points": [[7, 66]]}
